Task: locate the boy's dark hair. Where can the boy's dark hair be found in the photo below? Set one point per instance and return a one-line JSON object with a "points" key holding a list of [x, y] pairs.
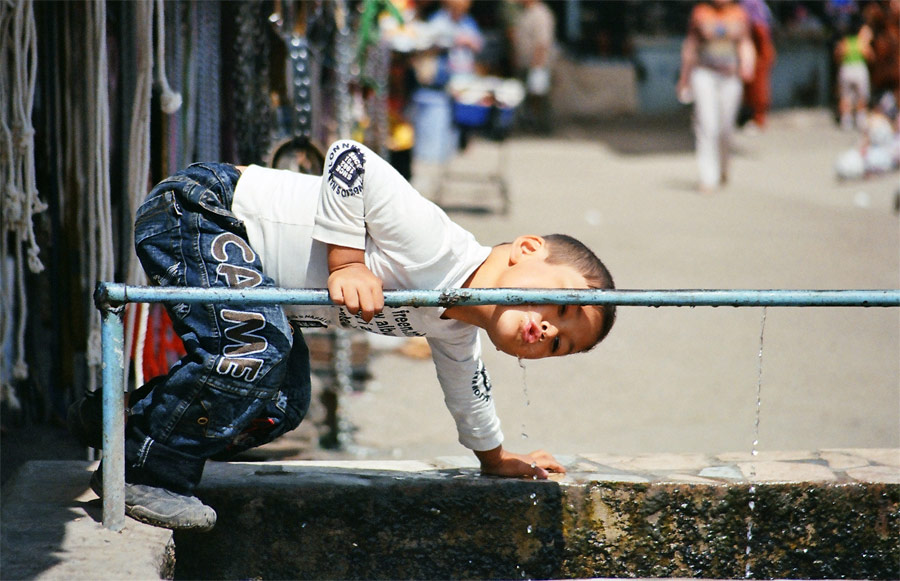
{"points": [[563, 249]]}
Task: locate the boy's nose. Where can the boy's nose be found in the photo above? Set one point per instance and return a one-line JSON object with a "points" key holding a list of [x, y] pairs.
{"points": [[548, 329]]}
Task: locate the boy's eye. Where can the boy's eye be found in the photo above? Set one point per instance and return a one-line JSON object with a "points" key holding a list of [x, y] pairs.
{"points": [[555, 347], [562, 310]]}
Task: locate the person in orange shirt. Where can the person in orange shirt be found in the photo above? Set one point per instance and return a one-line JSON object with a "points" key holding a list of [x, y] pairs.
{"points": [[717, 57], [758, 91]]}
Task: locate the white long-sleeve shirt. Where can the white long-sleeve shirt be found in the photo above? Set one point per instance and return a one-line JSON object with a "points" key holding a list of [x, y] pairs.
{"points": [[362, 202]]}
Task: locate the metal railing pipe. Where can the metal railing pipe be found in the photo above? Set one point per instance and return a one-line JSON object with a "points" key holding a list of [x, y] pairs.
{"points": [[112, 335], [120, 293], [111, 297]]}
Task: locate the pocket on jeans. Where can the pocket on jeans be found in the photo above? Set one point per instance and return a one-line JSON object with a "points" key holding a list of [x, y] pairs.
{"points": [[217, 414], [157, 239], [159, 213]]}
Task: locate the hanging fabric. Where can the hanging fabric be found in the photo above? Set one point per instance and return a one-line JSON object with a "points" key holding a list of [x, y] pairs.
{"points": [[255, 125], [207, 53]]}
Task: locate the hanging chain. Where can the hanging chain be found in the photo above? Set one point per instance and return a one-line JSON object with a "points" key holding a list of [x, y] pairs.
{"points": [[344, 51], [298, 51]]}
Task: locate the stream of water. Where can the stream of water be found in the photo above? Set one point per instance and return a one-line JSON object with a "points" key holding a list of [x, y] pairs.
{"points": [[754, 451]]}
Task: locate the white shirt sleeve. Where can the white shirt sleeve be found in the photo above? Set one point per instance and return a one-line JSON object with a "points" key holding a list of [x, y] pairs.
{"points": [[340, 217], [362, 194], [467, 393]]}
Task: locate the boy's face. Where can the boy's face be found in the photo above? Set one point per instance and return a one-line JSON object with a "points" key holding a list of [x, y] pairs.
{"points": [[537, 331]]}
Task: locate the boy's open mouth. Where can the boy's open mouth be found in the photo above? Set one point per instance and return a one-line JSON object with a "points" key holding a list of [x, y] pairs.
{"points": [[531, 333]]}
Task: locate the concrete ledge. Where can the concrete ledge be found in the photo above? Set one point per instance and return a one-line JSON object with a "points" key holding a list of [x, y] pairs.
{"points": [[826, 514]]}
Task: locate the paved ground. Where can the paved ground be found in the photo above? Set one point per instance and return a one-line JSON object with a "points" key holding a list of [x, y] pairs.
{"points": [[677, 379]]}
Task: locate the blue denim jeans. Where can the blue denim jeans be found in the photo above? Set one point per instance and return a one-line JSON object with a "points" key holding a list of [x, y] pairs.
{"points": [[245, 378]]}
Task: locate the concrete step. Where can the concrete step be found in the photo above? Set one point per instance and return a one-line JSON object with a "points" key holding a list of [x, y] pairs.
{"points": [[824, 514]]}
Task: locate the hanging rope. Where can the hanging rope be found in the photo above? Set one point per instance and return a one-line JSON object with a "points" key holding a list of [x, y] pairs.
{"points": [[139, 169], [20, 202], [99, 233], [170, 101], [172, 56]]}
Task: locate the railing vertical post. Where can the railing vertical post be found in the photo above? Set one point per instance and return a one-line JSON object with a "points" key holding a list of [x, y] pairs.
{"points": [[113, 338]]}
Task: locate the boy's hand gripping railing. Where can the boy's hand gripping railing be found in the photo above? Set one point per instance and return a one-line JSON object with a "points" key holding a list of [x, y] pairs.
{"points": [[110, 299]]}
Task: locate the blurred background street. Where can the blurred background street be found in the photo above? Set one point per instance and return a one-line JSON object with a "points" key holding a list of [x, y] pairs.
{"points": [[680, 379], [574, 109]]}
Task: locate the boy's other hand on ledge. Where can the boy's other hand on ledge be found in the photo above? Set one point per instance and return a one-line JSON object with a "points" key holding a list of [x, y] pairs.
{"points": [[537, 464]]}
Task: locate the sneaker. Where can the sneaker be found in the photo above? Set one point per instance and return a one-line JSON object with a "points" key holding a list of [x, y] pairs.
{"points": [[85, 420], [160, 507]]}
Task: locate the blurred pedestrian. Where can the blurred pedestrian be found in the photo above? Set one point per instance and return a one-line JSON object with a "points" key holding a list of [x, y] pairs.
{"points": [[454, 42], [852, 55], [758, 92], [457, 33], [534, 46], [717, 57], [884, 19]]}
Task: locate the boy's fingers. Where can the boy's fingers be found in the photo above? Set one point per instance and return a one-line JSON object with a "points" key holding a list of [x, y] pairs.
{"points": [[373, 302], [539, 473], [546, 460], [368, 303], [336, 294], [379, 299], [351, 300], [366, 308]]}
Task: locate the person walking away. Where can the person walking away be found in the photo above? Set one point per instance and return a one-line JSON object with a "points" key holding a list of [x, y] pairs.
{"points": [[534, 47], [852, 55], [717, 57], [758, 91], [884, 20]]}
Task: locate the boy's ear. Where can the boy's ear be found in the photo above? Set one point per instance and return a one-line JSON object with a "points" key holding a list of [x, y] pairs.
{"points": [[528, 246]]}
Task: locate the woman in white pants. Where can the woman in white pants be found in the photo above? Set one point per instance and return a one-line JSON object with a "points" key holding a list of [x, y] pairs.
{"points": [[717, 57]]}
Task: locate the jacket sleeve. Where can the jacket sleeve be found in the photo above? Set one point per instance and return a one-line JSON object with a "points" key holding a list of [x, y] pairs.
{"points": [[340, 216]]}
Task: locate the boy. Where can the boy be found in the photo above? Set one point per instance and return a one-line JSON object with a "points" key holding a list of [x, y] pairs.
{"points": [[358, 228]]}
